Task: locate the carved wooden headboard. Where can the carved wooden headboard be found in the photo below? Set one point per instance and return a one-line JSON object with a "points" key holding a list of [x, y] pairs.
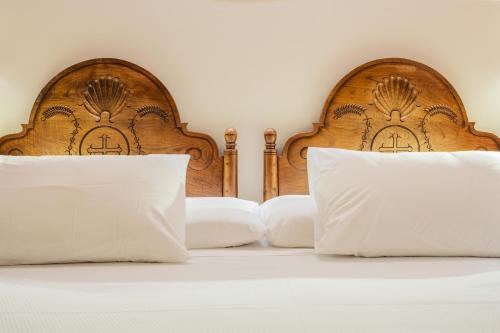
{"points": [[110, 106], [387, 105]]}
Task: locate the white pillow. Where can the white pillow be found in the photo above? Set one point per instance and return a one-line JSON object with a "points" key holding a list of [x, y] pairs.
{"points": [[61, 209], [408, 204], [289, 220], [222, 222]]}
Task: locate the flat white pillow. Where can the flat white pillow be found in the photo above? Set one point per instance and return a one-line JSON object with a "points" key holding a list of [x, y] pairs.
{"points": [[408, 204], [62, 209], [289, 220], [222, 222]]}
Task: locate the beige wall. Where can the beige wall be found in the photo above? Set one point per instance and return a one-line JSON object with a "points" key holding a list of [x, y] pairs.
{"points": [[250, 64]]}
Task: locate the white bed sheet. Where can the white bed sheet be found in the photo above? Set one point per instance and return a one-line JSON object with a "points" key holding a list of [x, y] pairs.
{"points": [[255, 289]]}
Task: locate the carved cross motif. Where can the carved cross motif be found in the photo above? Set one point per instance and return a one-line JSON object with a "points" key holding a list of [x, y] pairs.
{"points": [[104, 149], [395, 148]]}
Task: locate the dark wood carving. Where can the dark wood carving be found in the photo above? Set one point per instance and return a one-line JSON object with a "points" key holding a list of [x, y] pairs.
{"points": [[110, 106], [388, 105]]}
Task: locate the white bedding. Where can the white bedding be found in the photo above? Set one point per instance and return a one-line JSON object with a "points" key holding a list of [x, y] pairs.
{"points": [[255, 289]]}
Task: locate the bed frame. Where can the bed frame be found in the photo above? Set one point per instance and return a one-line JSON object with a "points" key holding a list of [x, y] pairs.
{"points": [[387, 105], [111, 106]]}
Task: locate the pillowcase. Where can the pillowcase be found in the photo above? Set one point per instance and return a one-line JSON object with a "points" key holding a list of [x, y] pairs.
{"points": [[289, 220], [407, 204], [62, 209], [222, 222]]}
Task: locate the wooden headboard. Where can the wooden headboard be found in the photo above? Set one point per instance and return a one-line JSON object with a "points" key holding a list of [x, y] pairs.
{"points": [[110, 106], [387, 105]]}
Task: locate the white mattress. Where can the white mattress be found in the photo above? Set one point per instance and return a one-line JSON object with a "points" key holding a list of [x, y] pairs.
{"points": [[255, 289]]}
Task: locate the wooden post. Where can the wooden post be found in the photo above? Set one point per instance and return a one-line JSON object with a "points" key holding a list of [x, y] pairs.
{"points": [[271, 188], [230, 178]]}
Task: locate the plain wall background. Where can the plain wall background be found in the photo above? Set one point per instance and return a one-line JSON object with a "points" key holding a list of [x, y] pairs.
{"points": [[250, 64]]}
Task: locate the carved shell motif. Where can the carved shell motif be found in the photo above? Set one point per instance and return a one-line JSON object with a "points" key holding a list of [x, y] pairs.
{"points": [[106, 94], [395, 93]]}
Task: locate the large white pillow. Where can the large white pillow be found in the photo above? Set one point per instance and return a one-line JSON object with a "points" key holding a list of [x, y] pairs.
{"points": [[408, 204], [222, 222], [289, 220], [61, 209]]}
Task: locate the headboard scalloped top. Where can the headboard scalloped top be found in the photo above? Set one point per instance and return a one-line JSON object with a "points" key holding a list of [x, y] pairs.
{"points": [[387, 105], [110, 106]]}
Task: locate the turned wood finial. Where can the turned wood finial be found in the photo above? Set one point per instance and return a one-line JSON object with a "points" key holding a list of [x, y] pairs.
{"points": [[270, 165], [230, 177], [270, 136], [230, 136]]}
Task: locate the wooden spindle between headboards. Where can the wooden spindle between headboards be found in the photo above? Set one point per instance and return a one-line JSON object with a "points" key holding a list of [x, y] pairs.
{"points": [[230, 181], [270, 165]]}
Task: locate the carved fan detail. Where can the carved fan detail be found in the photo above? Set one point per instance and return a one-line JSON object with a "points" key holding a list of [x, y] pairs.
{"points": [[106, 94], [395, 93]]}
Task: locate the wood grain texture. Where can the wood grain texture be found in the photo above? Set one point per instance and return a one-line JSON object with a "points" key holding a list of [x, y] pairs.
{"points": [[387, 105], [110, 106]]}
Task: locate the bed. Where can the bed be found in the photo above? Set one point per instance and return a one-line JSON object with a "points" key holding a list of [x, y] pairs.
{"points": [[259, 288], [387, 105], [113, 107], [255, 289]]}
